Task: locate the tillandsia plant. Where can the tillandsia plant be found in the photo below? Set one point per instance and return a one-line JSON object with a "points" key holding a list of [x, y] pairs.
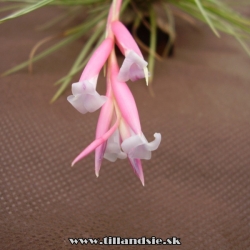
{"points": [[118, 133], [153, 15]]}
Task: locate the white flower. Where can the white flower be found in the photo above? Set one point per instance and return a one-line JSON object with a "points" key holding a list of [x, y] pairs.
{"points": [[85, 98], [113, 148], [134, 67], [137, 146]]}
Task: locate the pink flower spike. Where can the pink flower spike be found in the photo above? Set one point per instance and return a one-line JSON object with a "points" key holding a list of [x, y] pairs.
{"points": [[124, 39], [85, 98], [125, 100], [97, 60], [103, 125], [134, 66], [137, 146], [96, 142]]}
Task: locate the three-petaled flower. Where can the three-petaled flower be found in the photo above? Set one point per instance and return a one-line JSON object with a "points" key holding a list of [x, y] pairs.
{"points": [[118, 133]]}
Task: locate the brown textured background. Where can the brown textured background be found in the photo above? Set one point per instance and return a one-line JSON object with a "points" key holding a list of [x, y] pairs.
{"points": [[197, 183]]}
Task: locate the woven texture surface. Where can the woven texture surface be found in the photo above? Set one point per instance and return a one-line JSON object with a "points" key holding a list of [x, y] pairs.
{"points": [[196, 184]]}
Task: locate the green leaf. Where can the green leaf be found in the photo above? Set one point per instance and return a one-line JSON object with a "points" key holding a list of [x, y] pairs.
{"points": [[238, 38], [26, 10], [223, 17], [76, 64], [46, 52], [80, 67], [90, 22], [72, 34], [204, 13], [69, 14], [11, 7], [153, 38]]}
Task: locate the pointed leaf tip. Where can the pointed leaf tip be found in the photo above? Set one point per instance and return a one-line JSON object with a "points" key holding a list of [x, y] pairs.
{"points": [[142, 182]]}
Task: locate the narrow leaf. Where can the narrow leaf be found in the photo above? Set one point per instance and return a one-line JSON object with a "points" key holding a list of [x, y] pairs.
{"points": [[44, 53], [79, 59], [204, 13], [26, 10], [151, 58]]}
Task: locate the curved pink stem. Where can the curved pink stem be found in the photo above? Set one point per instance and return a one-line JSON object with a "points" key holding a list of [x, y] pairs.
{"points": [[96, 142]]}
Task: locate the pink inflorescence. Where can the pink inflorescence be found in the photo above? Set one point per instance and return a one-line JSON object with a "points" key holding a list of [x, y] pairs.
{"points": [[118, 132]]}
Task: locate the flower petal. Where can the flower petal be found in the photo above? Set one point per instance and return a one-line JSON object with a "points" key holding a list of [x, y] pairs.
{"points": [[86, 86], [76, 101], [137, 146], [154, 144], [140, 152], [137, 167], [130, 49], [85, 98], [131, 143], [132, 67], [124, 73], [86, 103], [134, 146], [136, 73], [113, 149], [94, 101], [136, 58]]}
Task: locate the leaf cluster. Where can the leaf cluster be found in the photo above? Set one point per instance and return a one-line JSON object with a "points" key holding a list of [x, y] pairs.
{"points": [[215, 13]]}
